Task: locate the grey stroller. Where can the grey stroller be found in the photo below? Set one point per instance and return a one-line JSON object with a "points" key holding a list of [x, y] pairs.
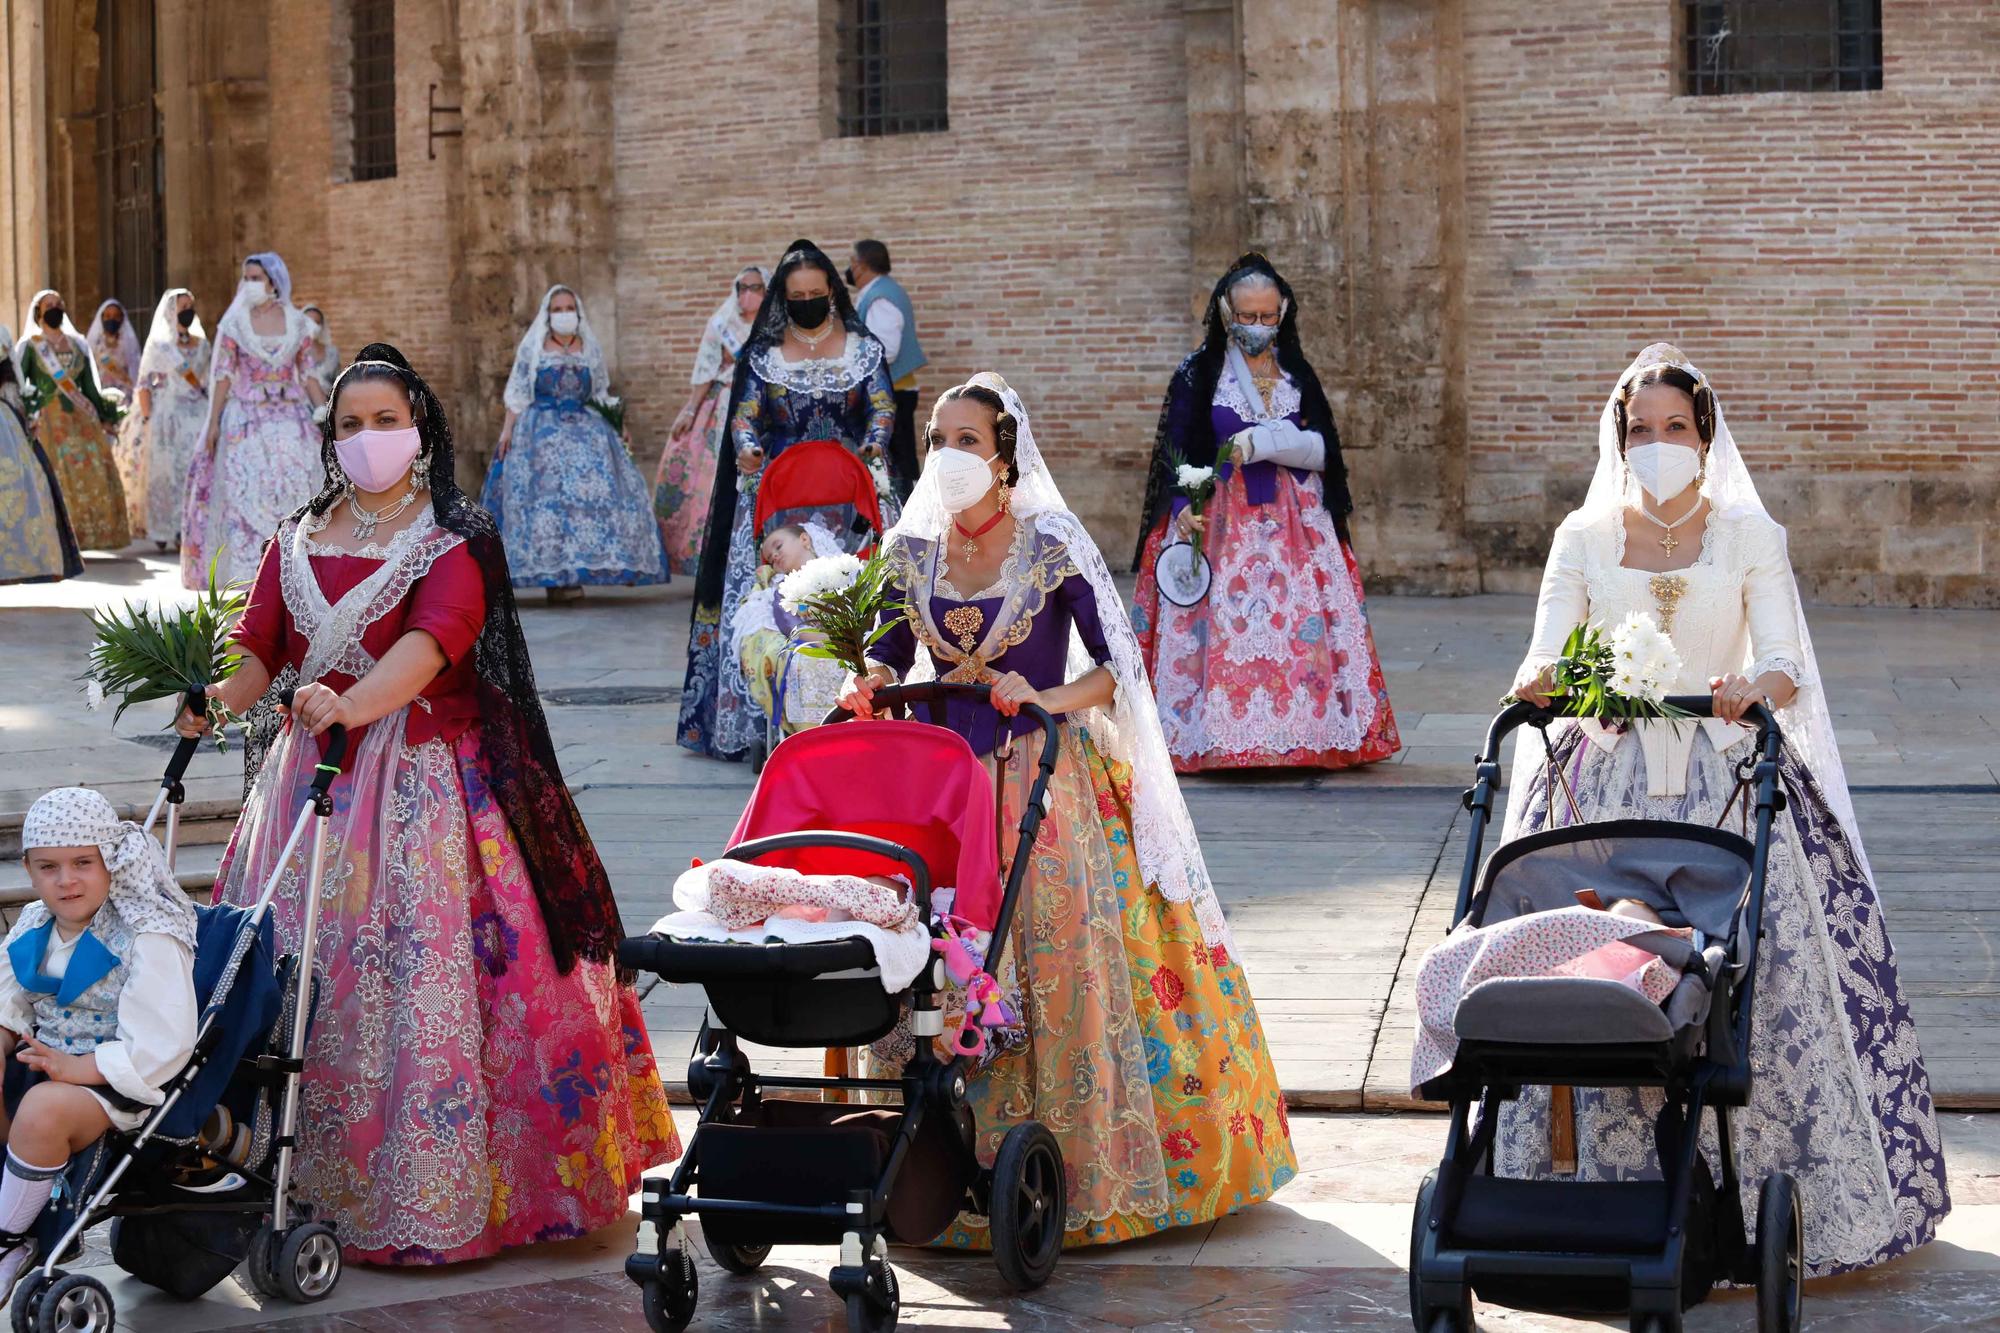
{"points": [[1644, 1248]]}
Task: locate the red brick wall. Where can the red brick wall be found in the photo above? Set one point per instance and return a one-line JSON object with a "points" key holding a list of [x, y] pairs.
{"points": [[374, 255], [1828, 259], [1045, 235]]}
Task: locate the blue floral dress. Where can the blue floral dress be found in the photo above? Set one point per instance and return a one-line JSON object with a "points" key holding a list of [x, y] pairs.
{"points": [[572, 506]]}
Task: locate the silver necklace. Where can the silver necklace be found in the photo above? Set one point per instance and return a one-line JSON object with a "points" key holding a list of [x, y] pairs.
{"points": [[1668, 542], [365, 521], [813, 340]]}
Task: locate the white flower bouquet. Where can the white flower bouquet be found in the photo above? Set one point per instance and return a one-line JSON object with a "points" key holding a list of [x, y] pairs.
{"points": [[1197, 486], [1620, 677], [842, 599], [611, 408]]}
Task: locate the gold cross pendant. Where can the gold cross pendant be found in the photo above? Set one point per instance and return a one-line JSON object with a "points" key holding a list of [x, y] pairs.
{"points": [[1669, 542]]}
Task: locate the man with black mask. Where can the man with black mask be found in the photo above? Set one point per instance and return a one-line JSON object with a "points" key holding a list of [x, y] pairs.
{"points": [[884, 307]]}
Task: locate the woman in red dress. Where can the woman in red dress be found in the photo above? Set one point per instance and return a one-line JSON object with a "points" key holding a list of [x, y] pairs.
{"points": [[477, 1076]]}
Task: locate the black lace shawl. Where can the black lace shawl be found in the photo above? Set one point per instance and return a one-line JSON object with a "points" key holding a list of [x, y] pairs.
{"points": [[570, 883], [767, 330], [1186, 432]]}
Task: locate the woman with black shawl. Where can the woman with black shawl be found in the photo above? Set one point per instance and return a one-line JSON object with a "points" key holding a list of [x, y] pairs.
{"points": [[477, 1076], [810, 371], [1262, 657]]}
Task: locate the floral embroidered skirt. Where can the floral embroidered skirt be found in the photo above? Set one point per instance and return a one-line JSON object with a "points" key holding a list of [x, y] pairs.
{"points": [[1839, 1097], [1276, 667], [1141, 1050], [571, 504], [686, 480], [461, 1095], [79, 446], [265, 464], [33, 546]]}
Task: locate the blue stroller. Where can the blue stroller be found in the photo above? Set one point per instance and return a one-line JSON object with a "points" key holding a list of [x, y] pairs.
{"points": [[203, 1184]]}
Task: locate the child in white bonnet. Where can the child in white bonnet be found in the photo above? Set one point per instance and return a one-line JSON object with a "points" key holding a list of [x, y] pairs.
{"points": [[97, 999]]}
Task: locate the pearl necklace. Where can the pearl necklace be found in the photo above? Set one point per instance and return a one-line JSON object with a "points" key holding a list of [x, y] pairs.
{"points": [[365, 521], [1668, 542], [813, 340]]}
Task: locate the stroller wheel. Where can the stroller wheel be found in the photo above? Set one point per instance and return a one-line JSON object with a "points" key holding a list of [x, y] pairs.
{"points": [[258, 1267], [308, 1265], [741, 1260], [1427, 1317], [27, 1295], [670, 1300], [876, 1307], [75, 1303], [1656, 1323], [1781, 1257], [1029, 1207]]}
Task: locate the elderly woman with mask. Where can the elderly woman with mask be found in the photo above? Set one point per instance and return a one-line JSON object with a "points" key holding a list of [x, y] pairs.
{"points": [[1271, 663]]}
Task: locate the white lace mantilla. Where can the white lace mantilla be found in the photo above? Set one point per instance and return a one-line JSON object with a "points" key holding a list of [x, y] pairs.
{"points": [[333, 630], [821, 375], [1229, 393]]}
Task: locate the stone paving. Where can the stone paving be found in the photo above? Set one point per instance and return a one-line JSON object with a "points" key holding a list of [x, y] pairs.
{"points": [[1327, 925]]}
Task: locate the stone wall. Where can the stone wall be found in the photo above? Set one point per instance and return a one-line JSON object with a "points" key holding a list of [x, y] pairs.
{"points": [[1828, 259]]}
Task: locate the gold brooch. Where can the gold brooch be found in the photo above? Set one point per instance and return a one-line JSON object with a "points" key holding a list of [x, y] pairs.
{"points": [[1667, 590], [965, 622]]}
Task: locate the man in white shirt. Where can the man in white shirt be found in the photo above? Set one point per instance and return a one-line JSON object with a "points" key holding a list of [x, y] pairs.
{"points": [[884, 308]]}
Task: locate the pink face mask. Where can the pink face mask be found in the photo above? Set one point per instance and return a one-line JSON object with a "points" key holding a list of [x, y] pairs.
{"points": [[375, 460]]}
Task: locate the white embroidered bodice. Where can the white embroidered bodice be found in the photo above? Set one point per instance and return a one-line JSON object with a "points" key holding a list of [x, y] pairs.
{"points": [[1731, 611]]}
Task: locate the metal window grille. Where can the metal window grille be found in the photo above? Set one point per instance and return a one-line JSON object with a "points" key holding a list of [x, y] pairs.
{"points": [[372, 88], [1771, 46], [891, 69], [131, 231]]}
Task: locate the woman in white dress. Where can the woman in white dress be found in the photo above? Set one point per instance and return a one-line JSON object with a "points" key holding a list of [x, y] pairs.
{"points": [[1673, 527], [172, 409], [260, 449], [323, 347]]}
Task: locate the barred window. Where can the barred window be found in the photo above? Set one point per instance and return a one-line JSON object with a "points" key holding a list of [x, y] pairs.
{"points": [[890, 69], [1772, 46], [372, 89]]}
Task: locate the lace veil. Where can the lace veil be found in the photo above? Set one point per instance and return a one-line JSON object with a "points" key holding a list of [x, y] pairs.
{"points": [[1168, 851], [1807, 721], [127, 347], [161, 356], [528, 354]]}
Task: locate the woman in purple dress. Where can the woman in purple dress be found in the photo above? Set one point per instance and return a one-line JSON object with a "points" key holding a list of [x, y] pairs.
{"points": [[1139, 1045]]}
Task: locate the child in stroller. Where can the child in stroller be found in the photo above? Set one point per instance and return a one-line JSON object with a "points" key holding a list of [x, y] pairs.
{"points": [[1532, 989], [815, 499], [793, 692], [761, 1171], [196, 1037]]}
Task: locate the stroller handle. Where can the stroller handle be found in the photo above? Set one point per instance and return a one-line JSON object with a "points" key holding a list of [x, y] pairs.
{"points": [[895, 699], [196, 702], [1695, 705], [336, 750]]}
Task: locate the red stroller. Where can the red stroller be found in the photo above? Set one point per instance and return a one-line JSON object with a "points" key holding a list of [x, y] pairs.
{"points": [[762, 1172], [819, 480], [822, 482]]}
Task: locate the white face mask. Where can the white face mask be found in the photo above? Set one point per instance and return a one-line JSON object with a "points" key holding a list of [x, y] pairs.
{"points": [[962, 478], [1663, 470], [255, 291], [564, 322]]}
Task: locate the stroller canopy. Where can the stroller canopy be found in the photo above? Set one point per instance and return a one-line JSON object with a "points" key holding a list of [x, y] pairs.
{"points": [[917, 785], [818, 478]]}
